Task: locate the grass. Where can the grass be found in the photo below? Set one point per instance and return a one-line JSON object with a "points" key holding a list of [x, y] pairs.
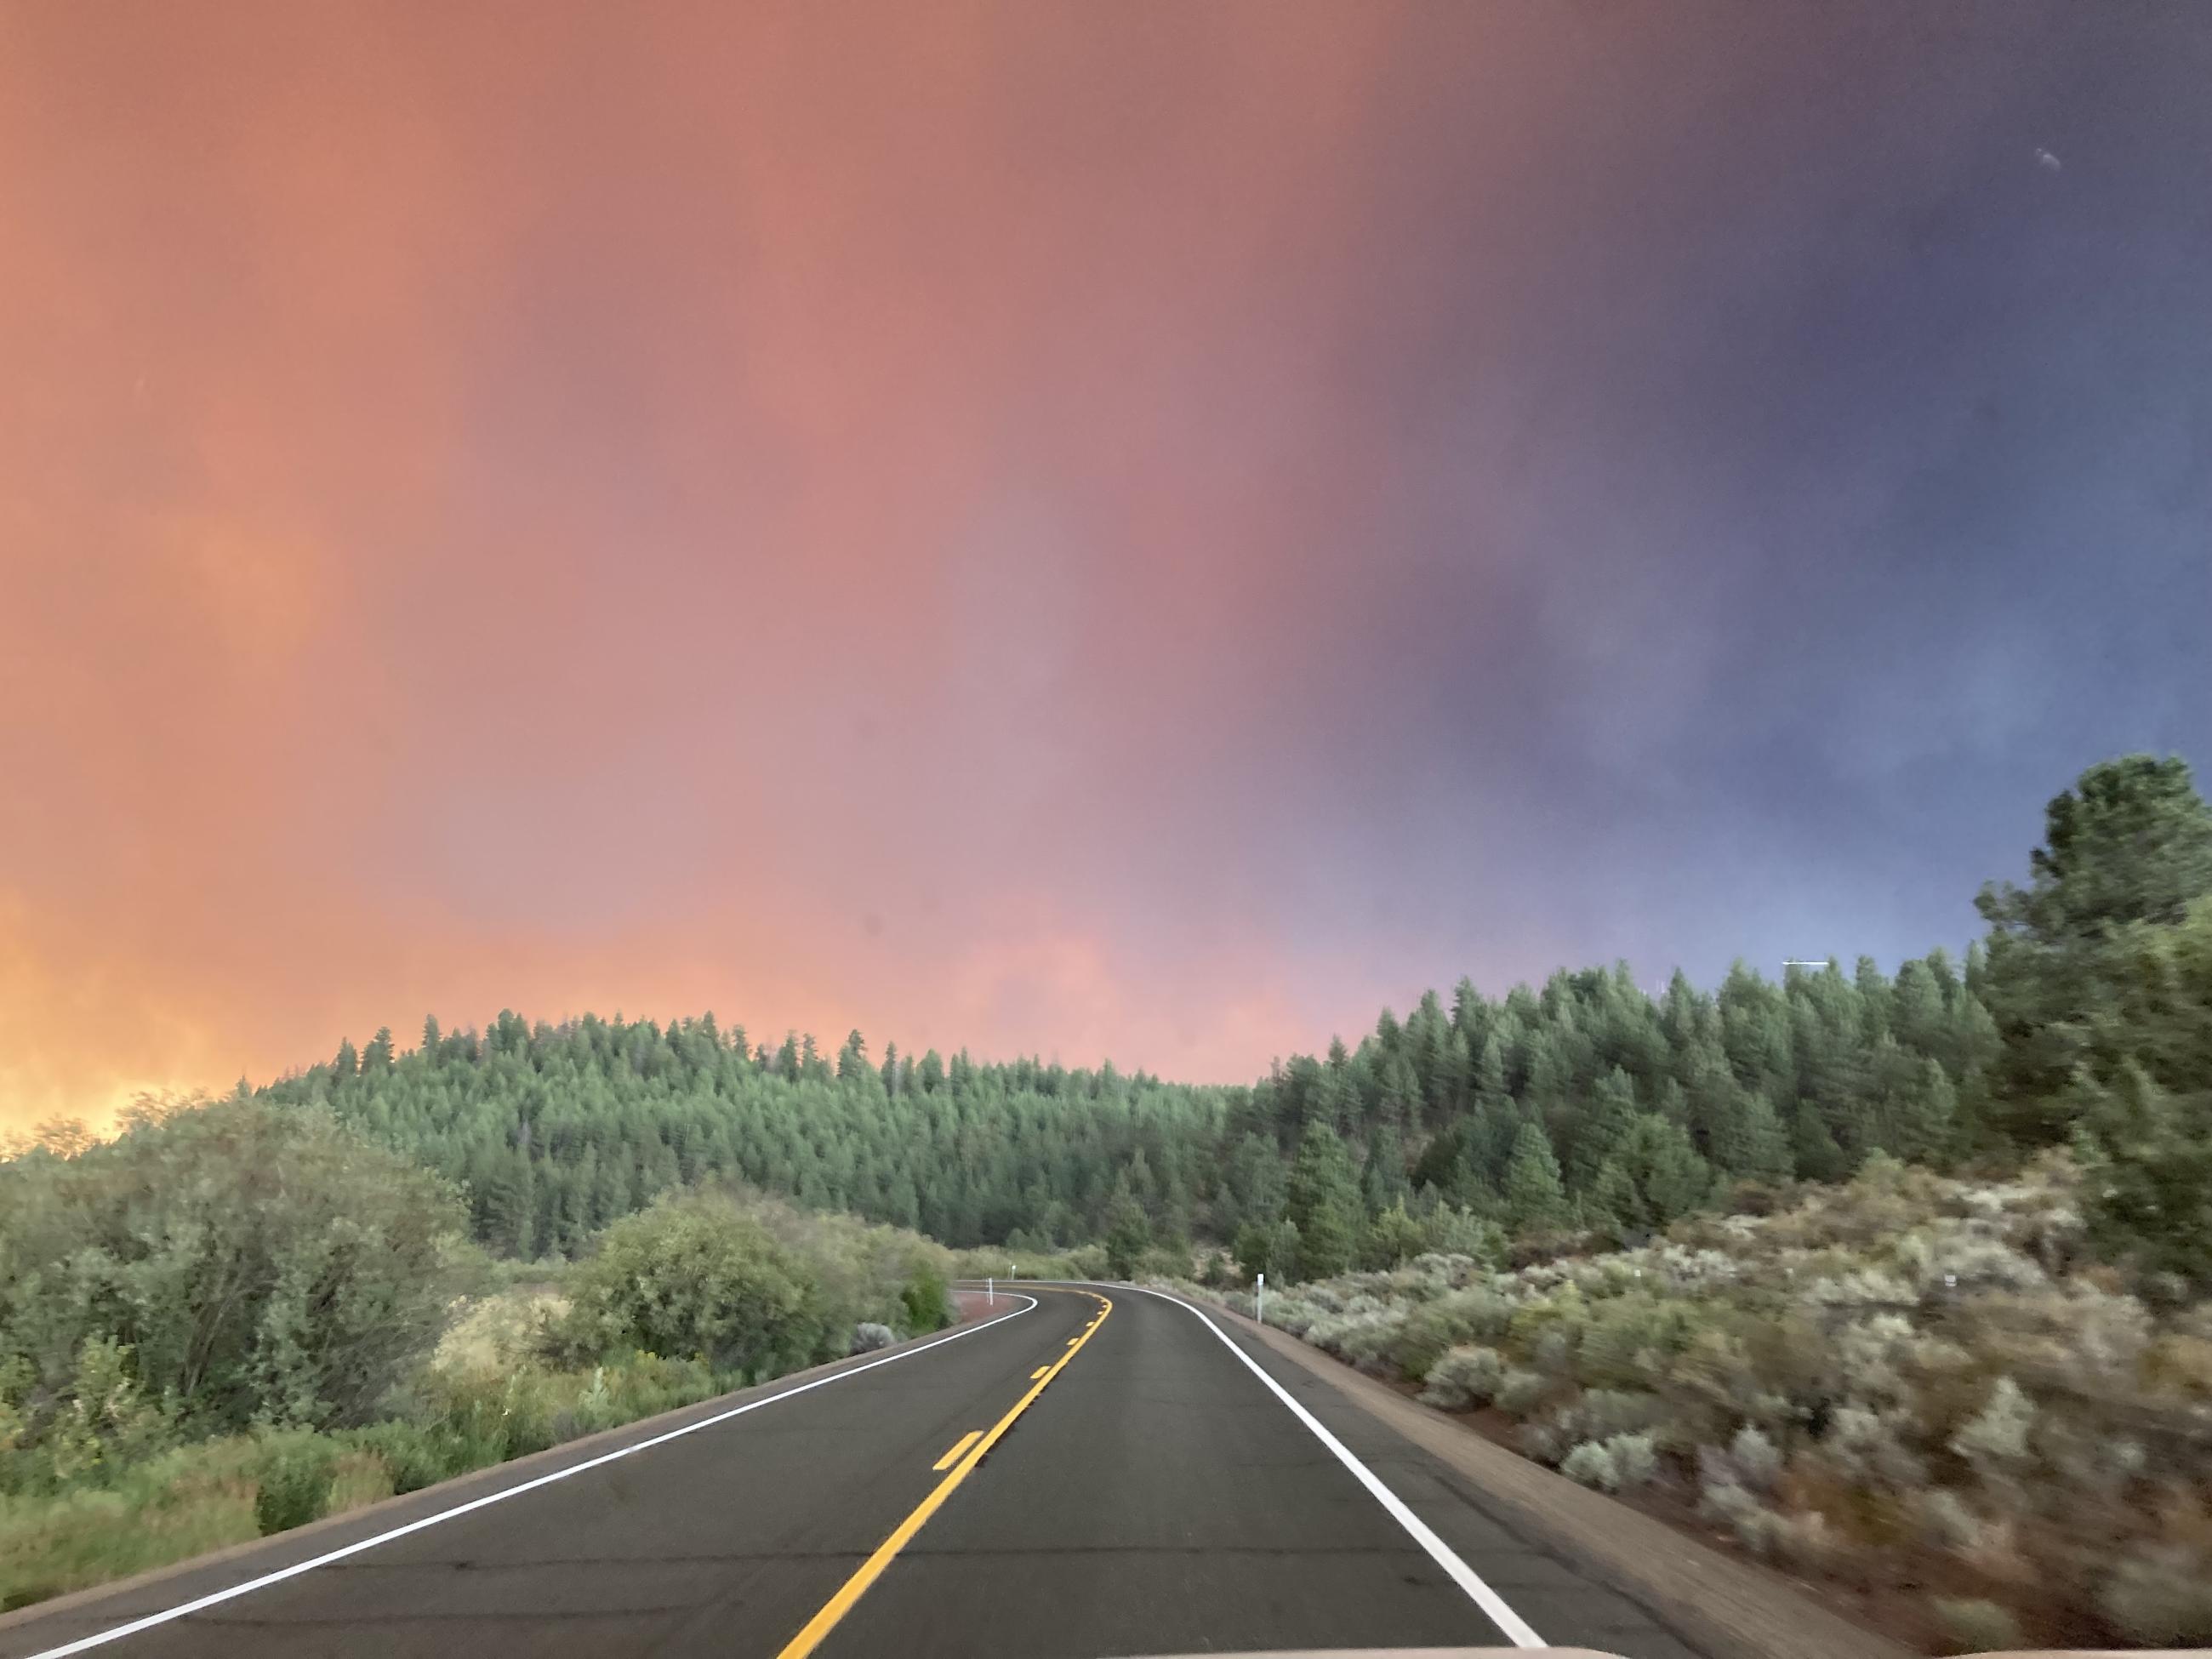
{"points": [[476, 1406]]}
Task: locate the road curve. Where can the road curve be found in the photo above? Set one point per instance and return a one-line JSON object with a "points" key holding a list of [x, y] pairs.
{"points": [[1065, 1483]]}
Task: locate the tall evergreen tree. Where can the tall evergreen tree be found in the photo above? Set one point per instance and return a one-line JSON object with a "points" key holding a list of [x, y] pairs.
{"points": [[1606, 1122], [1324, 1204], [2126, 852], [1382, 1178], [1534, 1197], [1128, 1232]]}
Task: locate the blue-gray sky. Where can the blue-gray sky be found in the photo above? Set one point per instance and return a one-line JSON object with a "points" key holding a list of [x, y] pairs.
{"points": [[1147, 531]]}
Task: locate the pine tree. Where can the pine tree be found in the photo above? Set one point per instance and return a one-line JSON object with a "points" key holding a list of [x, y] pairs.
{"points": [[1611, 1203], [1813, 1147], [2127, 852], [1254, 1248], [1333, 1102], [1257, 1183], [1611, 1114], [1392, 1237], [1382, 1178], [1925, 1114], [1400, 1105], [1747, 1138], [1918, 1010], [1535, 1200], [1876, 1012], [1548, 1093], [1469, 1014], [1129, 1233], [1449, 1088], [1490, 1072], [1324, 1204], [1664, 1173]]}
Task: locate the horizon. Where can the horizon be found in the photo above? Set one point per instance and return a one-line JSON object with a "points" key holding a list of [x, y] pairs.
{"points": [[1153, 538], [1355, 1038]]}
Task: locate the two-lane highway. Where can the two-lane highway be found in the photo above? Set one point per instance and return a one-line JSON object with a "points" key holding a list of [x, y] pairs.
{"points": [[1100, 1472]]}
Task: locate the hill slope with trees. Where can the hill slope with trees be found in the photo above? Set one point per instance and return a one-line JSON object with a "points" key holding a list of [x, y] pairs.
{"points": [[1586, 1101], [1585, 1104]]}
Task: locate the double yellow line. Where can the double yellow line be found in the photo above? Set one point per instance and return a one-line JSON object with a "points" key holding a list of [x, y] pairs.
{"points": [[968, 1457]]}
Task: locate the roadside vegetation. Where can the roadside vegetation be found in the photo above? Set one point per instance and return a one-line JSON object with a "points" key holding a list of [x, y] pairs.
{"points": [[1900, 1280], [1978, 1396], [237, 1318], [1919, 1387]]}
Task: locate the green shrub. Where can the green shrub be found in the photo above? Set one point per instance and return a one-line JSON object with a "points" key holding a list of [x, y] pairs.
{"points": [[698, 1275], [1550, 1327], [1616, 1464], [1974, 1626], [1758, 1460], [1996, 1441], [1485, 1315], [1601, 1413], [927, 1302], [1629, 1338], [1423, 1338], [357, 1479], [1635, 1460], [340, 1255], [414, 1454], [1463, 1378], [291, 1479], [1368, 1339], [179, 1504], [1590, 1464], [1518, 1392]]}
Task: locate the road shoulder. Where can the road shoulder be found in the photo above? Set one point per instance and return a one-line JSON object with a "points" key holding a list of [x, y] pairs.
{"points": [[1721, 1607]]}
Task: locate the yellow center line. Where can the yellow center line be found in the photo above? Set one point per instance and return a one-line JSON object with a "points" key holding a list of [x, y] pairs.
{"points": [[958, 1446], [872, 1569], [1038, 1373]]}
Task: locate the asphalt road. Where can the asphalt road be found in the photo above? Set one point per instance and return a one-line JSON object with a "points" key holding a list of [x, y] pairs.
{"points": [[1149, 1495]]}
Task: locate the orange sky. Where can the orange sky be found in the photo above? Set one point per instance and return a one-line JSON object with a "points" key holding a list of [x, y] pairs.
{"points": [[1138, 529], [570, 508]]}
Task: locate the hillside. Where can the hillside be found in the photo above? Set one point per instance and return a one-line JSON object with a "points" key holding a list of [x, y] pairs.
{"points": [[1642, 1106], [1586, 1105]]}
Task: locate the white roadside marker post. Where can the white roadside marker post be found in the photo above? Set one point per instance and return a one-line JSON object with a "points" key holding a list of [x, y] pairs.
{"points": [[1260, 1310], [991, 1291]]}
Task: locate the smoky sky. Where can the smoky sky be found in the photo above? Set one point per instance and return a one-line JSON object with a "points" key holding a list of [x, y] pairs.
{"points": [[1145, 530]]}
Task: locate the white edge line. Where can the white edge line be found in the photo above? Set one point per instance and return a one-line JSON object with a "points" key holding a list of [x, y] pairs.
{"points": [[1515, 1627], [100, 1638]]}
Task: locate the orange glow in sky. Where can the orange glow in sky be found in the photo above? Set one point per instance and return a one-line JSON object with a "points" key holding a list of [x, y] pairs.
{"points": [[581, 509], [1148, 532]]}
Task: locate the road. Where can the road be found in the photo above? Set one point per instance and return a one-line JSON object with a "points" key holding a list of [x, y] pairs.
{"points": [[1103, 1471]]}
